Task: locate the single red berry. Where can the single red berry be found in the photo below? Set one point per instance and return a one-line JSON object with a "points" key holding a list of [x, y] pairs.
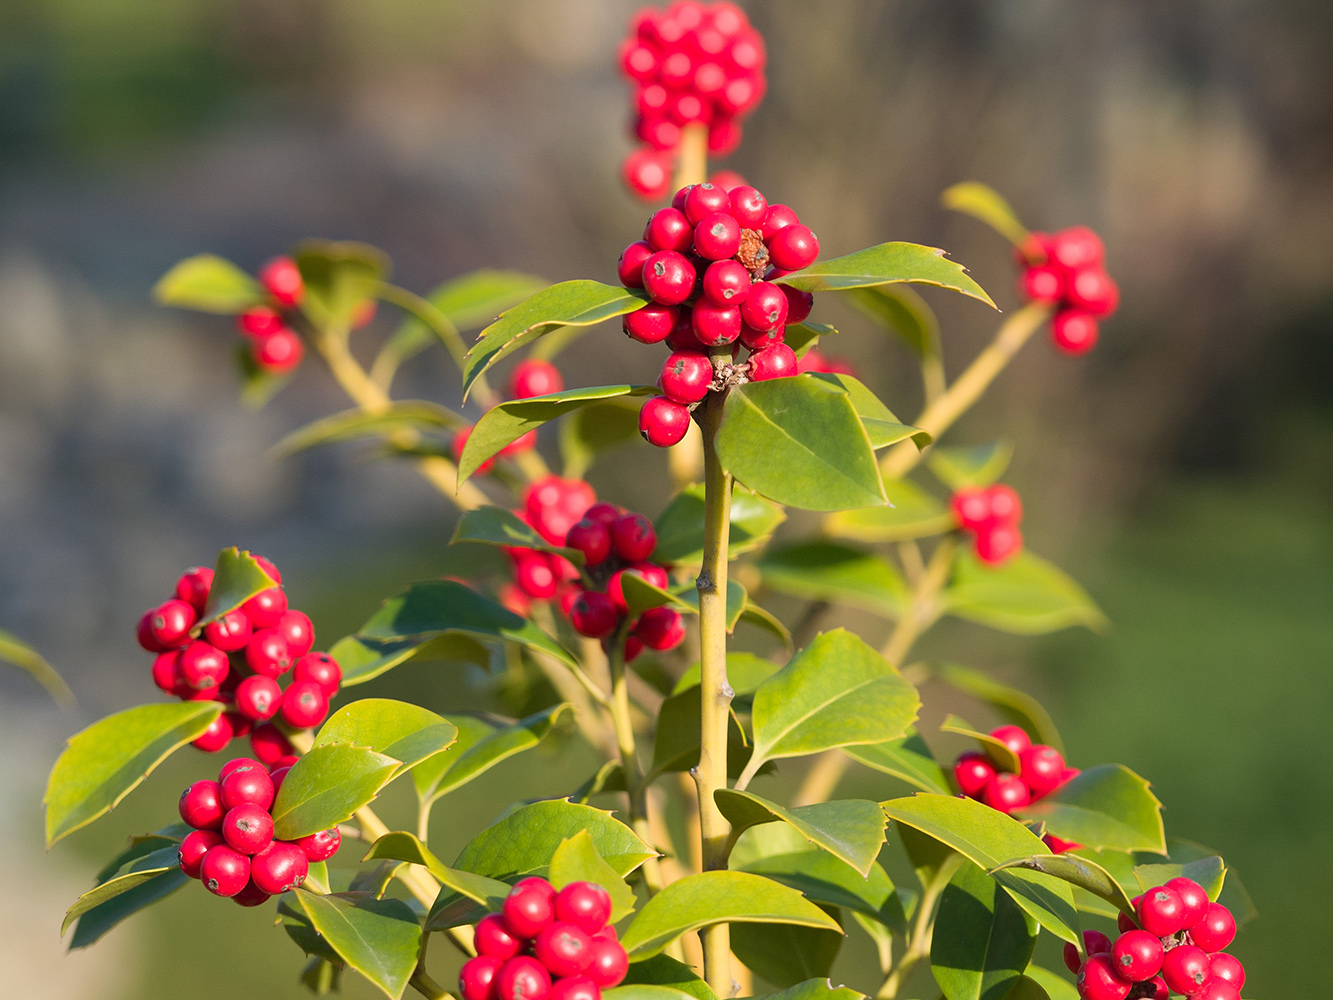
{"points": [[748, 207], [166, 672], [660, 628], [717, 237], [1013, 737], [1095, 942], [758, 340], [268, 744], [251, 895], [1222, 966], [575, 988], [267, 653], [535, 377], [248, 828], [603, 513], [1042, 770], [279, 867], [793, 247], [972, 772], [715, 325], [286, 760], [633, 537], [686, 376], [1092, 290], [259, 321], [1006, 792], [766, 307], [799, 303], [1186, 969], [535, 576], [230, 633], [972, 508], [1193, 896], [777, 361], [1074, 331], [270, 570], [630, 267], [1217, 989], [668, 229], [320, 846], [304, 705], [144, 633], [668, 277], [247, 784], [647, 172], [1044, 283], [202, 665], [1073, 960], [586, 905], [681, 337], [191, 852], [1075, 247], [609, 964], [1137, 956], [651, 323], [319, 668], [298, 630], [1097, 980], [494, 940], [234, 763], [592, 539], [998, 543], [281, 278], [279, 352], [523, 978], [1124, 921], [564, 948], [727, 180], [593, 615], [193, 587], [529, 909], [663, 422], [1216, 930], [726, 282], [704, 200], [171, 622], [217, 735], [278, 775], [1161, 912], [266, 607], [776, 219], [476, 979], [224, 871], [1005, 505]]}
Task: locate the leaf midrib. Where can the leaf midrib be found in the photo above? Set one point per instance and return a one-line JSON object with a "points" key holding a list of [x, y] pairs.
{"points": [[762, 751]]}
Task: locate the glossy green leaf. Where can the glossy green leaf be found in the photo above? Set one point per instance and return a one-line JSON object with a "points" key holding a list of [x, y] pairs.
{"points": [[799, 441], [105, 762], [824, 879], [882, 427], [680, 528], [506, 422], [610, 777], [526, 839], [339, 277], [448, 772], [236, 579], [1026, 595], [985, 203], [802, 337], [983, 940], [1057, 985], [640, 595], [100, 919], [208, 283], [904, 312], [497, 526], [816, 989], [745, 672], [852, 830], [988, 838], [365, 659], [131, 875], [646, 991], [662, 970], [577, 860], [1104, 807], [326, 786], [1016, 706], [933, 862], [398, 729], [839, 574], [14, 650], [1005, 758], [591, 430], [1210, 873], [836, 692], [570, 303], [696, 901], [677, 736], [914, 514], [907, 758], [1079, 871], [970, 466], [402, 846], [884, 264], [379, 938], [414, 414], [784, 954]]}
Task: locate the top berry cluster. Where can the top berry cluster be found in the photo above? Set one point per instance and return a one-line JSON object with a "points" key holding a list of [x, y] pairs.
{"points": [[1066, 270], [691, 63]]}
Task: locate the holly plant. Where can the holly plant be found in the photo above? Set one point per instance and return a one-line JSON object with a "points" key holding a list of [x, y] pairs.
{"points": [[673, 870]]}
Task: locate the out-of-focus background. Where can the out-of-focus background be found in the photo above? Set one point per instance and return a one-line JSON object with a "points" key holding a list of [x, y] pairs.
{"points": [[1183, 471]]}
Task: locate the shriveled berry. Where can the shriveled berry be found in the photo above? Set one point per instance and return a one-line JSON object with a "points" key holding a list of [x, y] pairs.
{"points": [[224, 871], [267, 653], [592, 538], [320, 846], [535, 377], [1006, 792], [686, 376], [748, 206], [304, 705], [1194, 898], [523, 978], [972, 772], [1097, 980], [1137, 956], [633, 537], [476, 979], [564, 948], [218, 734], [660, 628], [1074, 331], [493, 939], [704, 200], [297, 629], [248, 828], [586, 905], [247, 784], [776, 361], [230, 633], [714, 324], [765, 308], [171, 621], [651, 323], [793, 247], [268, 744], [266, 607], [726, 282], [1186, 969], [663, 422], [629, 269], [281, 278], [609, 964], [1154, 989], [279, 867], [1013, 737], [321, 669], [193, 587], [668, 277], [1042, 769], [191, 852], [593, 615], [1161, 912], [202, 665], [668, 229], [1216, 930]]}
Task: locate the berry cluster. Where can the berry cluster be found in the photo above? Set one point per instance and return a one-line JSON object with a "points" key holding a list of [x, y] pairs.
{"points": [[707, 263], [1042, 770], [551, 506], [690, 64], [1172, 945], [1066, 271], [991, 516], [274, 346], [530, 378], [232, 850], [237, 659], [546, 945]]}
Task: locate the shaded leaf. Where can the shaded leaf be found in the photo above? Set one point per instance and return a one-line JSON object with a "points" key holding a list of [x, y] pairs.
{"points": [[527, 838], [402, 846], [785, 955], [1016, 706], [985, 203], [14, 650], [824, 879], [610, 777], [903, 311], [339, 276], [962, 466], [1079, 871], [913, 513], [882, 427], [852, 830], [497, 526], [577, 860], [398, 729], [646, 991], [450, 772], [1104, 807], [983, 940], [840, 574], [1026, 595], [596, 428], [884, 264], [997, 751], [365, 659], [816, 989], [1026, 988], [662, 970], [131, 875], [761, 618], [1056, 985], [327, 786], [236, 579], [745, 672], [208, 283], [410, 413], [476, 298], [379, 938], [677, 737], [802, 337], [680, 528], [907, 758]]}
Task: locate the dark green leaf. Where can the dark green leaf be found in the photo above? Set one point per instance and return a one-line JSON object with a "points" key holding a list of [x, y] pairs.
{"points": [[1005, 758], [94, 924], [402, 846], [379, 938], [497, 526], [131, 875], [852, 830], [209, 284], [1026, 595], [1016, 706], [884, 264], [596, 428], [577, 860], [339, 277], [645, 991], [745, 672], [105, 762], [680, 528], [983, 940], [903, 311], [985, 203], [914, 514], [962, 467], [662, 970], [800, 442], [526, 839], [14, 650], [676, 739], [1104, 807], [1078, 871], [570, 303], [326, 786], [907, 758], [825, 879], [785, 955], [881, 425], [816, 989], [1056, 984], [410, 413], [610, 777], [443, 775], [236, 579], [365, 659], [1026, 988], [840, 574], [761, 618], [403, 731]]}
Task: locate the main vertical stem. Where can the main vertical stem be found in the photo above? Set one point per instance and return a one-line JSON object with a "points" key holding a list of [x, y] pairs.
{"points": [[716, 692]]}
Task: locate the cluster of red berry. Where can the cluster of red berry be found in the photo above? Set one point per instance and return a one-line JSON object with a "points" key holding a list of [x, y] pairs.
{"points": [[232, 850], [708, 262], [692, 63], [546, 945], [274, 345], [991, 516], [551, 506], [237, 659], [530, 378], [1041, 771], [1066, 271], [1175, 946]]}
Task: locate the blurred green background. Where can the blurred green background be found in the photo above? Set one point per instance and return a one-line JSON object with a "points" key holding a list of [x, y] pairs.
{"points": [[1183, 471]]}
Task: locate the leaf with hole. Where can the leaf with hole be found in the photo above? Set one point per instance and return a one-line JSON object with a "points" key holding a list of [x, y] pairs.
{"points": [[680, 528], [1026, 595], [970, 466], [913, 513], [885, 264], [983, 940], [852, 830], [208, 283], [379, 938], [907, 758], [837, 573], [527, 838], [1107, 807], [577, 860], [985, 203], [399, 729], [408, 414], [327, 786]]}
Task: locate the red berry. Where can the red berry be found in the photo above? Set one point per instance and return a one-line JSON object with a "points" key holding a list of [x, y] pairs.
{"points": [[633, 537], [717, 237], [476, 979], [259, 321], [1075, 247], [682, 336], [191, 852], [535, 576], [1013, 737], [651, 323], [592, 539], [1137, 956], [765, 308], [1155, 989], [726, 282], [778, 218], [201, 666], [297, 629], [1216, 930], [280, 351], [278, 775], [972, 508], [1006, 792], [494, 940], [575, 988], [1072, 958], [748, 207], [997, 543], [1186, 969], [630, 267], [1073, 331], [660, 628], [704, 200], [799, 303], [268, 744], [663, 422], [586, 905], [269, 569], [714, 325], [247, 784], [1059, 845], [267, 653], [320, 846], [1044, 283], [793, 247], [529, 909], [286, 760], [668, 277], [593, 615], [1092, 290], [1123, 921], [193, 587], [523, 978], [248, 828], [668, 229], [727, 180], [170, 623], [777, 361], [1218, 989], [319, 668], [609, 964], [144, 633], [279, 867], [266, 607], [1222, 966], [217, 735], [972, 772], [304, 705], [647, 172], [1095, 942], [281, 278], [603, 513], [1194, 898], [535, 377], [1097, 980], [1042, 770], [166, 674], [224, 871], [564, 948], [686, 376], [251, 895], [757, 340], [229, 633], [1161, 912]]}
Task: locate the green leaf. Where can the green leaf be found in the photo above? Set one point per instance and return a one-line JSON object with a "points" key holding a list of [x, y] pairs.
{"points": [[437, 607], [646, 991], [1210, 873], [988, 838], [577, 860], [1026, 988], [108, 760], [411, 413], [100, 919], [662, 970], [402, 846], [799, 441], [209, 284], [365, 659], [816, 989], [610, 777], [677, 737], [885, 264], [785, 955], [983, 940], [754, 615], [258, 385], [970, 466], [339, 277], [745, 672], [1016, 706], [839, 574], [506, 422], [882, 427], [802, 337], [836, 692], [131, 875], [497, 526], [1056, 985], [326, 786], [825, 879], [914, 514], [526, 839], [737, 600], [680, 528], [985, 203], [476, 298], [1104, 807], [907, 758], [596, 428], [570, 303], [903, 311], [14, 650], [1078, 871], [449, 772], [696, 901], [379, 938], [1231, 893], [236, 579], [997, 751], [398, 729], [1026, 595], [852, 830]]}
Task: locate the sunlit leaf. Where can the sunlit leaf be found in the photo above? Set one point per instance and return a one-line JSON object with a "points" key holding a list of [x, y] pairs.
{"points": [[884, 264], [208, 283]]}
